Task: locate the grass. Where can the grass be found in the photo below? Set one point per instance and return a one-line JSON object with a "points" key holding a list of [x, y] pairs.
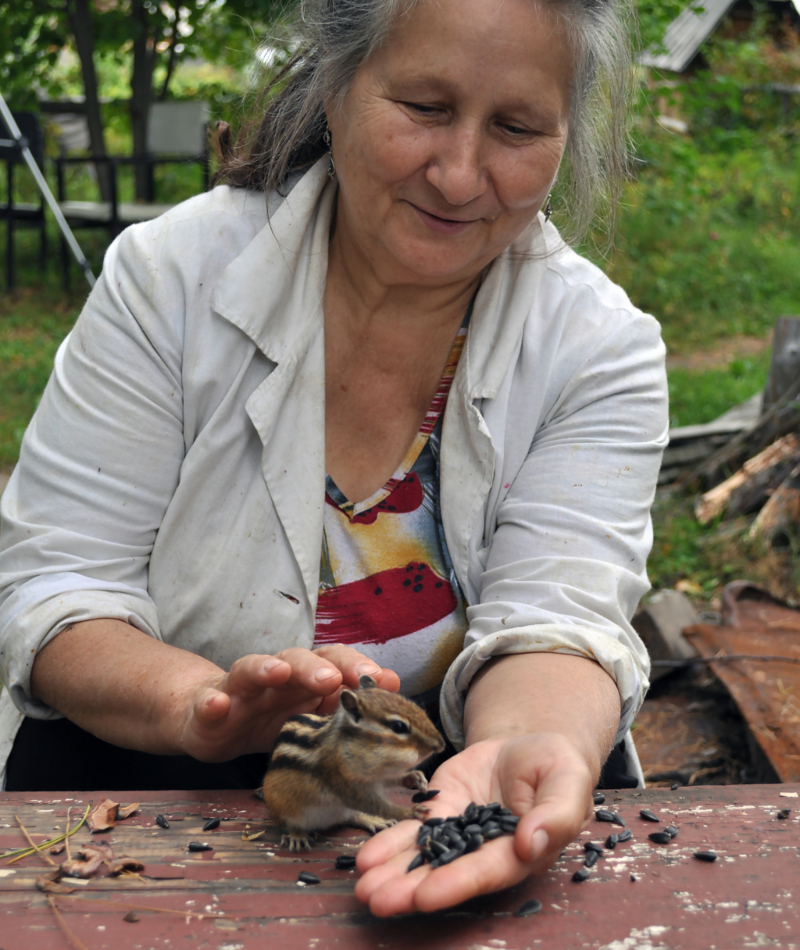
{"points": [[697, 396]]}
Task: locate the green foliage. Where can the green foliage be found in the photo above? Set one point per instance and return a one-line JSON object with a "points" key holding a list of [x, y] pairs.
{"points": [[697, 396], [654, 16]]}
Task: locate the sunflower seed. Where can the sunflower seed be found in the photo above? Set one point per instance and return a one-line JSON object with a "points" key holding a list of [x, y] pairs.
{"points": [[473, 843], [591, 859], [591, 846], [345, 862], [706, 855], [676, 785], [509, 823], [428, 855], [418, 861], [602, 814], [660, 837], [471, 812], [580, 875], [425, 796], [648, 815], [199, 846], [423, 835], [450, 855], [433, 822], [611, 842], [634, 878], [490, 834], [211, 824], [438, 848], [784, 813], [598, 798], [671, 830], [161, 821], [528, 909], [473, 829], [625, 835], [306, 877]]}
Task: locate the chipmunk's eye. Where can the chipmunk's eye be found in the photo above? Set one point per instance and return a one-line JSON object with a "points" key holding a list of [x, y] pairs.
{"points": [[398, 726]]}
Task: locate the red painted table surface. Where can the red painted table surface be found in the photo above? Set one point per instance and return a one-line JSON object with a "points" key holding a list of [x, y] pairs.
{"points": [[749, 898]]}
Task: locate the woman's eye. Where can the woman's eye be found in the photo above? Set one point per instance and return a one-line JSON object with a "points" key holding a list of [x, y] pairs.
{"points": [[515, 131], [421, 108]]}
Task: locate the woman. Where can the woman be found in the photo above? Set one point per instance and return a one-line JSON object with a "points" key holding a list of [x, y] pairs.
{"points": [[243, 449]]}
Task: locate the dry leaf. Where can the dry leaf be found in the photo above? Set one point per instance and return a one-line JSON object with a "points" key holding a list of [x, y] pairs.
{"points": [[103, 816], [88, 851], [124, 864], [131, 917], [47, 883], [125, 811], [246, 837], [85, 869], [57, 848]]}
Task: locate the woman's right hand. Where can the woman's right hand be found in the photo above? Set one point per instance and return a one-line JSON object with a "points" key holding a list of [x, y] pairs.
{"points": [[243, 710]]}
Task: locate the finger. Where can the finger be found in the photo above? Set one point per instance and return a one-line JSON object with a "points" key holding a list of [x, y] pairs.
{"points": [[389, 888], [211, 706], [387, 845], [354, 664], [311, 671], [252, 674]]}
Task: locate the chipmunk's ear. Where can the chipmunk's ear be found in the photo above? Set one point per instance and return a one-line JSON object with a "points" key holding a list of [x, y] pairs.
{"points": [[350, 704], [366, 682]]}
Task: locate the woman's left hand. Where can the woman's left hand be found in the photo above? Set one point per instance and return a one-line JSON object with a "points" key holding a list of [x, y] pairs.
{"points": [[543, 778]]}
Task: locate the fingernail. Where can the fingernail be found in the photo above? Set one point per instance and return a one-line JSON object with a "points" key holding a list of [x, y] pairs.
{"points": [[539, 842], [324, 673], [270, 665], [367, 669]]}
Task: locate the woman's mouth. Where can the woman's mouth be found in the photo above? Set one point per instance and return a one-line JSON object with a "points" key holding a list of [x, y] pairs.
{"points": [[440, 224]]}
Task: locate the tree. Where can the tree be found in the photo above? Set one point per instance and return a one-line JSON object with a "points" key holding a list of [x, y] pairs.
{"points": [[152, 37]]}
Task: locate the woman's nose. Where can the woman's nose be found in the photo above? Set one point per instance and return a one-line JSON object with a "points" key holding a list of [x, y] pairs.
{"points": [[457, 170]]}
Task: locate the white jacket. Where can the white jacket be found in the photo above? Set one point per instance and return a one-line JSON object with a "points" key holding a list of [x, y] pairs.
{"points": [[173, 476]]}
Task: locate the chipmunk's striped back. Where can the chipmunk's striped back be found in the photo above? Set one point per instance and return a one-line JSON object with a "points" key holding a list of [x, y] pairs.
{"points": [[299, 743]]}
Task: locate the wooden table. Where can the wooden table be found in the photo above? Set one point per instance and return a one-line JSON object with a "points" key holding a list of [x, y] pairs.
{"points": [[248, 888]]}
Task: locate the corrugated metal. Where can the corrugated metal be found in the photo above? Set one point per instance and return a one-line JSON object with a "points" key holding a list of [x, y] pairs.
{"points": [[686, 34]]}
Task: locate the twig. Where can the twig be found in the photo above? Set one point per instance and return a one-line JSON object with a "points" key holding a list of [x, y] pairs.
{"points": [[19, 853], [155, 910], [724, 658], [66, 835], [63, 925], [35, 846]]}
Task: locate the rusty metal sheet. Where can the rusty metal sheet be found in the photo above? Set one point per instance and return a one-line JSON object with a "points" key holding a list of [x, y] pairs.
{"points": [[641, 896], [766, 691]]}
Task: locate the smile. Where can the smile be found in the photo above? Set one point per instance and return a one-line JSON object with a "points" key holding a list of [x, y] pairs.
{"points": [[442, 225]]}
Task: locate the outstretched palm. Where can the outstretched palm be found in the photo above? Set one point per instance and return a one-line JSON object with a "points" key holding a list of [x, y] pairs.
{"points": [[542, 778]]}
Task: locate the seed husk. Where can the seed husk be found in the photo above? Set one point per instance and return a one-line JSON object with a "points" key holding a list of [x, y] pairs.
{"points": [[675, 786], [211, 824], [671, 830], [592, 846], [528, 909], [425, 796], [598, 798], [634, 878], [784, 813], [418, 861], [161, 821], [199, 846], [705, 855], [306, 877], [345, 862], [591, 859], [648, 815], [602, 814], [580, 875], [625, 835], [660, 837], [611, 842]]}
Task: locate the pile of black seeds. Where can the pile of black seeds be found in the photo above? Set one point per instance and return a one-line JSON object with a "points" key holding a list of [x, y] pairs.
{"points": [[442, 840]]}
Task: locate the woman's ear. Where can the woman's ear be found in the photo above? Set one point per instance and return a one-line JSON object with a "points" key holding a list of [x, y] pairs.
{"points": [[350, 704]]}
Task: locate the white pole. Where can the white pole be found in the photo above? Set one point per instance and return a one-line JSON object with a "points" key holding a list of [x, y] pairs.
{"points": [[30, 161]]}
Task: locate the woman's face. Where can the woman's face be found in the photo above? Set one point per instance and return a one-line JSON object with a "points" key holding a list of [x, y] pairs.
{"points": [[449, 138]]}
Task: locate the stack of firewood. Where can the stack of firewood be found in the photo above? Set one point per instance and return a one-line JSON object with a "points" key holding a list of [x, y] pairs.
{"points": [[759, 469]]}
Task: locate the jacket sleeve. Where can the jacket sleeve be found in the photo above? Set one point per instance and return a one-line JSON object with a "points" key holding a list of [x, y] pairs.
{"points": [[566, 564], [98, 465]]}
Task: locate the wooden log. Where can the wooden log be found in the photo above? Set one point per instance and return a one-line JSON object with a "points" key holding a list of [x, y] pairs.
{"points": [[778, 522], [746, 490], [782, 418], [784, 370], [660, 625]]}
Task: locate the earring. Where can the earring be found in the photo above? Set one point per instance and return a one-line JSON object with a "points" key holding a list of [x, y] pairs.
{"points": [[548, 209], [326, 138]]}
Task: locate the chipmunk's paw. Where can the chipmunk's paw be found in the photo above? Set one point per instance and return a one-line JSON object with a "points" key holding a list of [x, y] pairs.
{"points": [[415, 780], [295, 841], [420, 811], [370, 823]]}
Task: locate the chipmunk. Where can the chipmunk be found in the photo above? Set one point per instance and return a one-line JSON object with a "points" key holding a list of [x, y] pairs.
{"points": [[332, 770]]}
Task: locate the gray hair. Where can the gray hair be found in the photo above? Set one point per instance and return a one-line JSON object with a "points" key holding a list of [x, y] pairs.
{"points": [[337, 36]]}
